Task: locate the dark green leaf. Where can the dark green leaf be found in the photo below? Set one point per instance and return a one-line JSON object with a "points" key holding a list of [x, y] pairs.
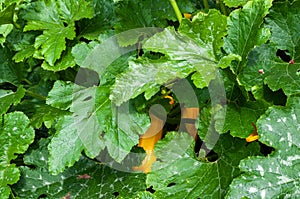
{"points": [[86, 179], [179, 174], [277, 174], [282, 22], [8, 98], [244, 30], [264, 67]]}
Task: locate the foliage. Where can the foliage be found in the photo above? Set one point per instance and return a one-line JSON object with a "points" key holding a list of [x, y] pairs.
{"points": [[79, 79]]}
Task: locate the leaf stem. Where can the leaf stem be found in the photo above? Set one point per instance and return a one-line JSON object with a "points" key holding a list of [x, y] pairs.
{"points": [[35, 95], [206, 5], [223, 8], [176, 10]]}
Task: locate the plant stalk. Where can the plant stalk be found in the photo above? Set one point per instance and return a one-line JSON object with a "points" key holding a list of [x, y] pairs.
{"points": [[176, 10], [35, 95], [206, 5]]}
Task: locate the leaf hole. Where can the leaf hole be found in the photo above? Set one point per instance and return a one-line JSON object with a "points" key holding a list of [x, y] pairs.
{"points": [[283, 55], [150, 189], [87, 98], [171, 184], [116, 194], [212, 156], [43, 196]]}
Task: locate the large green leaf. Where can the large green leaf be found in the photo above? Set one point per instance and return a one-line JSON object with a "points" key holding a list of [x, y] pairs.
{"points": [[145, 75], [15, 137], [282, 21], [245, 32], [56, 28], [86, 179], [212, 27], [7, 98], [77, 132], [276, 175], [61, 95], [239, 119], [92, 115], [134, 14], [179, 174], [184, 55], [276, 73]]}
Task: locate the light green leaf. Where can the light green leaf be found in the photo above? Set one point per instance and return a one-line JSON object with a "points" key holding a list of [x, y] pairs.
{"points": [[277, 174], [80, 131], [8, 98], [66, 146], [123, 130], [56, 28], [79, 181], [235, 3], [185, 55], [179, 174], [212, 29], [15, 137], [145, 75], [244, 30], [60, 95], [282, 21]]}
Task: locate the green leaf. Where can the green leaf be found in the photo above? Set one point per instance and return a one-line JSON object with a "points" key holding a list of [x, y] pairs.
{"points": [[134, 14], [122, 129], [244, 30], [8, 98], [57, 28], [60, 95], [275, 73], [144, 75], [6, 15], [179, 174], [79, 181], [185, 55], [239, 118], [5, 30], [273, 176], [10, 72], [47, 115], [282, 21], [15, 137], [66, 146], [212, 27], [80, 131], [235, 3], [104, 18]]}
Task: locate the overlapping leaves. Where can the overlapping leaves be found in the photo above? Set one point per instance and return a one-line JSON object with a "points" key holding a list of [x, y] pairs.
{"points": [[80, 181], [185, 53], [57, 21], [179, 174], [273, 176]]}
